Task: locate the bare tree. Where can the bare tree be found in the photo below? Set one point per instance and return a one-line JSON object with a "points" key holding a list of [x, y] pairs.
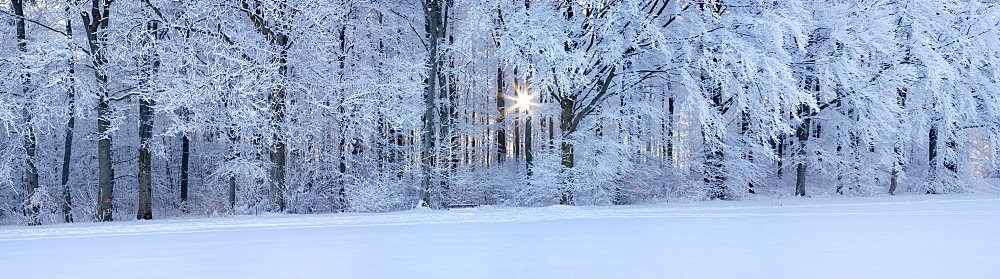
{"points": [[30, 140], [95, 22]]}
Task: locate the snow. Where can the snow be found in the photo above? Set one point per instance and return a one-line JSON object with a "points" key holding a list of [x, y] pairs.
{"points": [[878, 237]]}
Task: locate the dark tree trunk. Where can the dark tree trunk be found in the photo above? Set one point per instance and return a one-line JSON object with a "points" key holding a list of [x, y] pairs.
{"points": [[566, 147], [552, 134], [435, 115], [670, 132], [744, 129], [105, 171], [897, 167], [30, 142], [501, 108], [517, 139], [800, 169], [528, 156], [96, 21], [145, 160], [341, 169], [277, 155], [232, 193], [233, 140], [715, 170], [277, 151], [932, 139], [146, 114], [780, 146], [68, 145], [185, 165], [932, 157]]}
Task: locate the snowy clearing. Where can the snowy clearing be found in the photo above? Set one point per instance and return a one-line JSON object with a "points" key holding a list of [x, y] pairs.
{"points": [[881, 237]]}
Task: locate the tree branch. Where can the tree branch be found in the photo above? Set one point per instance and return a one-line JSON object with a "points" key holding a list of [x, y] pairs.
{"points": [[35, 22]]}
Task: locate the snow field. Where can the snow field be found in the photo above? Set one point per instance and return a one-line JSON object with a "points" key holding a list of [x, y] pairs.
{"points": [[881, 237]]}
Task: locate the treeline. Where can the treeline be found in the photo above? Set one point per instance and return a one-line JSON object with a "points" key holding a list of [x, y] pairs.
{"points": [[144, 109]]}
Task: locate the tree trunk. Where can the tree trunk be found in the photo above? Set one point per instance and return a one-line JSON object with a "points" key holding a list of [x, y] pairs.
{"points": [[341, 167], [277, 151], [800, 169], [96, 21], [435, 15], [185, 166], [566, 147], [232, 193], [528, 156], [670, 132], [501, 108], [68, 145], [780, 146], [30, 142], [277, 155], [517, 139], [105, 172], [233, 140], [447, 142], [278, 148], [145, 160], [893, 181], [744, 129], [552, 134], [146, 114], [901, 101], [932, 139], [427, 136], [932, 157], [713, 175]]}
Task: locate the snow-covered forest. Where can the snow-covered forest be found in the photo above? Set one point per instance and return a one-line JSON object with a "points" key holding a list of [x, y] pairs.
{"points": [[117, 110]]}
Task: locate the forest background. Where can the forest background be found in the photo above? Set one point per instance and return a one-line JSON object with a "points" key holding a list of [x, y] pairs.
{"points": [[116, 110]]}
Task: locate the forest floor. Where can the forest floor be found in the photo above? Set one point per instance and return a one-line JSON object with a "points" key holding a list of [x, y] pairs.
{"points": [[923, 236]]}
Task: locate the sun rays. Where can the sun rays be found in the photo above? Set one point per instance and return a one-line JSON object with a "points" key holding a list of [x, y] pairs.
{"points": [[524, 99]]}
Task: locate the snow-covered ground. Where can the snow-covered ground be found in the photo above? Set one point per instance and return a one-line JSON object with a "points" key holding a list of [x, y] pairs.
{"points": [[881, 237]]}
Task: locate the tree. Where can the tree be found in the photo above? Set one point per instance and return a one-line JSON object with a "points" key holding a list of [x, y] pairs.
{"points": [[95, 22], [30, 140], [273, 29], [435, 135], [947, 46], [71, 124], [148, 72], [737, 70]]}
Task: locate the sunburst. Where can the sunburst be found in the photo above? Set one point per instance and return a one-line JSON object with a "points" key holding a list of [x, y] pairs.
{"points": [[524, 99]]}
